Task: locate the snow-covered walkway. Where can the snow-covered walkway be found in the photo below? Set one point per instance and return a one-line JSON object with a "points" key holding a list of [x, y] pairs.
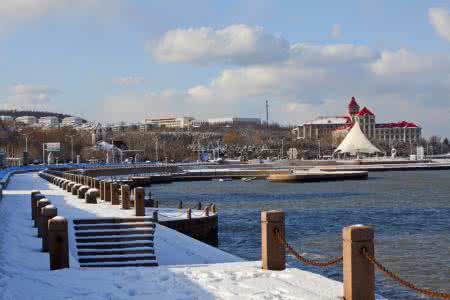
{"points": [[188, 269]]}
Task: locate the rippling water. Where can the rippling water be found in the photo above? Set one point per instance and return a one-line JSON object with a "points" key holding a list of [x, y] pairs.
{"points": [[409, 210]]}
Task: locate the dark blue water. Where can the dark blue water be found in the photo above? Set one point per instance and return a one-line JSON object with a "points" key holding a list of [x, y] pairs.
{"points": [[410, 212]]}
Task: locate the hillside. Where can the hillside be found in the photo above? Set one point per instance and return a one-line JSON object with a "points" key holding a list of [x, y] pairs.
{"points": [[37, 114]]}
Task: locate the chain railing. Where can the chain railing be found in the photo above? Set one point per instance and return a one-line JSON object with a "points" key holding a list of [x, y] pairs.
{"points": [[303, 259], [401, 281]]}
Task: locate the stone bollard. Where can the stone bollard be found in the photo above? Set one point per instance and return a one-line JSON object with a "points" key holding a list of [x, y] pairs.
{"points": [[199, 205], [273, 254], [139, 207], [206, 210], [69, 186], [213, 208], [125, 191], [40, 204], [180, 205], [34, 200], [82, 191], [47, 212], [107, 191], [75, 188], [189, 213], [359, 273], [92, 195], [115, 194], [58, 243]]}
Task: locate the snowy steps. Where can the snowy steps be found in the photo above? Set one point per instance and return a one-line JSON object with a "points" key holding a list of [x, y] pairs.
{"points": [[115, 242]]}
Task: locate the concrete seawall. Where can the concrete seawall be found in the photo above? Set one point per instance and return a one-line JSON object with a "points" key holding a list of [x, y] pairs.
{"points": [[203, 229]]}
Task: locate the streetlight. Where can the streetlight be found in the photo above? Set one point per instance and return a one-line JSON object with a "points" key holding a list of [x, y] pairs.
{"points": [[71, 147]]}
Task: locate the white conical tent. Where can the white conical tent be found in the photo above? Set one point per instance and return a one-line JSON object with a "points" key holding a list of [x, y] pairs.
{"points": [[356, 142]]}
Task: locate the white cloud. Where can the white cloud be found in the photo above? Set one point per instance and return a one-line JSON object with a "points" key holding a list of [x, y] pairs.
{"points": [[440, 20], [336, 32], [25, 96], [129, 80], [13, 12], [238, 44]]}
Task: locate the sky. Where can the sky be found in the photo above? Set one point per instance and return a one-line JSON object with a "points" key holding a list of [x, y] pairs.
{"points": [[117, 60]]}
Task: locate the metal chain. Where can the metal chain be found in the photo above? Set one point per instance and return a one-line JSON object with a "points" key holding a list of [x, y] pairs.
{"points": [[303, 259], [401, 281]]}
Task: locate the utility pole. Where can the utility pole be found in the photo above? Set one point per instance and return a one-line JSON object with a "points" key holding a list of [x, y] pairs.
{"points": [[71, 148], [319, 148], [267, 113]]}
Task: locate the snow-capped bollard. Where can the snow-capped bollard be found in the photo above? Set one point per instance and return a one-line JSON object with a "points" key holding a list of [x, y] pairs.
{"points": [[69, 186], [273, 254], [206, 211], [40, 204], [75, 188], [82, 191], [139, 207], [58, 243], [125, 192], [115, 194], [34, 200], [359, 273], [47, 212], [92, 195], [155, 216], [189, 214], [180, 205], [213, 208]]}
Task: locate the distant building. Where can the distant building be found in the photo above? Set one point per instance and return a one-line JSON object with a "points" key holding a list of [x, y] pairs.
{"points": [[6, 118], [72, 122], [49, 122], [338, 127], [234, 121], [320, 127], [199, 123], [27, 120], [182, 122]]}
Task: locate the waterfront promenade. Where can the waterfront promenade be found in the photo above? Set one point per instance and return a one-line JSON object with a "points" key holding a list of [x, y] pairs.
{"points": [[187, 269]]}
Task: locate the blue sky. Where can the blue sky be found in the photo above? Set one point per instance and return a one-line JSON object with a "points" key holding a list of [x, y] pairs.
{"points": [[112, 60]]}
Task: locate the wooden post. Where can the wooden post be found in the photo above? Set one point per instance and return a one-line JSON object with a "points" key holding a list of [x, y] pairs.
{"points": [[213, 208], [40, 204], [273, 254], [102, 190], [115, 194], [206, 209], [139, 207], [48, 213], [107, 191], [125, 191], [58, 243], [199, 205], [155, 216], [359, 273], [180, 204]]}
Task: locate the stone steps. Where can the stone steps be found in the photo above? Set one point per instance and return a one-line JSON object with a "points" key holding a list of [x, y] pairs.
{"points": [[115, 242]]}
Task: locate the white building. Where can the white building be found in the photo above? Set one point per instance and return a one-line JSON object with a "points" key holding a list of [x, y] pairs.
{"points": [[234, 121], [182, 122], [6, 118], [27, 120], [49, 122], [72, 121]]}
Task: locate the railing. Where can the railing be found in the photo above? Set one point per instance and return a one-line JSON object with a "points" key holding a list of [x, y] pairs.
{"points": [[358, 259]]}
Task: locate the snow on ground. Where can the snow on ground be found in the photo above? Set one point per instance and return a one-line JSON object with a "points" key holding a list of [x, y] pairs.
{"points": [[189, 269]]}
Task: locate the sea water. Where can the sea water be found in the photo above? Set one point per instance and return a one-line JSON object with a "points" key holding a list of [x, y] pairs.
{"points": [[410, 212]]}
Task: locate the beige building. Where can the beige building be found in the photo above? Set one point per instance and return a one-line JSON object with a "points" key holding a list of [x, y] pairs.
{"points": [[182, 122], [27, 120], [338, 127]]}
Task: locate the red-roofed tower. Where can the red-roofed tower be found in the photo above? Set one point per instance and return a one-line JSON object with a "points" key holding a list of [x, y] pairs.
{"points": [[353, 107]]}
